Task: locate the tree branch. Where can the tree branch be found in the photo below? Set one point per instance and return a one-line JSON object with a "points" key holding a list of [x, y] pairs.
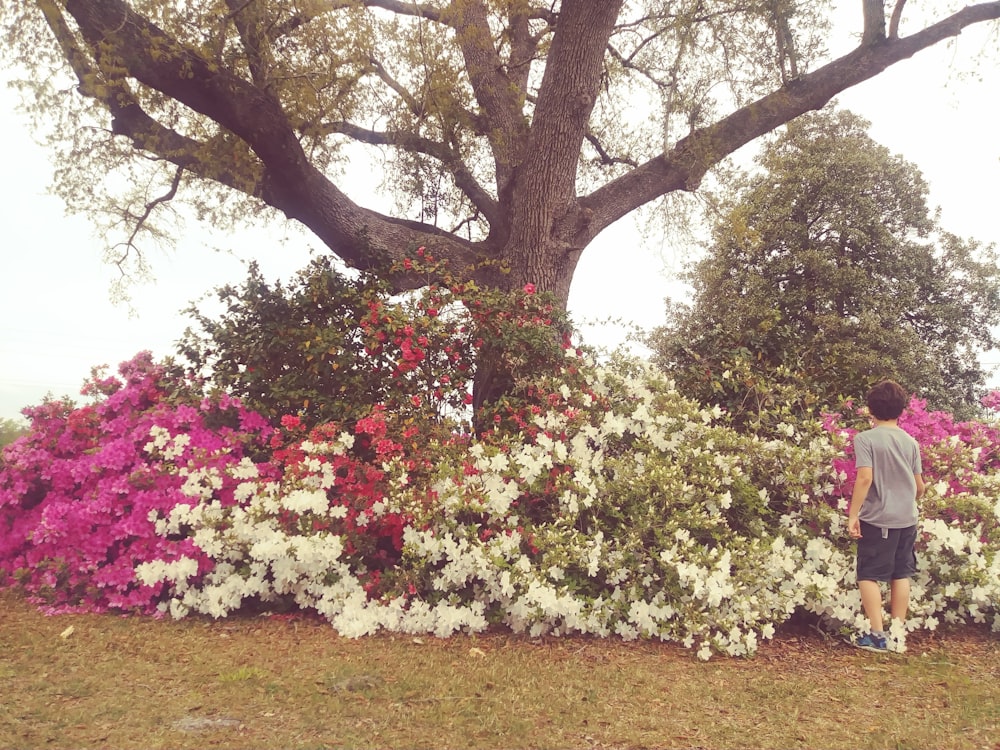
{"points": [[130, 120], [416, 108], [227, 163], [496, 93], [606, 158], [874, 15], [483, 201], [289, 181], [139, 222], [566, 99], [685, 165], [254, 42], [897, 14], [322, 7]]}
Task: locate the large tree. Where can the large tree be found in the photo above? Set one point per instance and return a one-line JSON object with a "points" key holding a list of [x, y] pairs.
{"points": [[515, 130], [827, 265]]}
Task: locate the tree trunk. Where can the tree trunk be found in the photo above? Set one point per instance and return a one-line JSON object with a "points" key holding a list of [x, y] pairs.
{"points": [[549, 267]]}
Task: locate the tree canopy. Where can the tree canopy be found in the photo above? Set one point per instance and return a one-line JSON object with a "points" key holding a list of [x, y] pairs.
{"points": [[514, 131], [829, 263]]}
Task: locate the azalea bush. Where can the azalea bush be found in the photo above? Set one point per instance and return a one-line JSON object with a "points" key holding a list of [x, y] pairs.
{"points": [[81, 492], [624, 509], [594, 499], [77, 490]]}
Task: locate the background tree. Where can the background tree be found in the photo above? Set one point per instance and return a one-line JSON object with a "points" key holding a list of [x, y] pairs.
{"points": [[11, 430], [827, 269], [514, 131]]}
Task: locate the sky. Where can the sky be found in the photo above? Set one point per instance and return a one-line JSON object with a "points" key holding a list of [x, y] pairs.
{"points": [[57, 319]]}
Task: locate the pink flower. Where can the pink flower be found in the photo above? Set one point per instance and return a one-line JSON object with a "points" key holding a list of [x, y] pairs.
{"points": [[991, 400], [529, 288]]}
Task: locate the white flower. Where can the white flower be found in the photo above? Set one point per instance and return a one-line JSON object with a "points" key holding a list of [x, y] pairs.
{"points": [[306, 501], [180, 442], [786, 429]]}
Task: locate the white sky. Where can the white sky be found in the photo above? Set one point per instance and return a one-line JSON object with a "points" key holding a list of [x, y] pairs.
{"points": [[57, 322]]}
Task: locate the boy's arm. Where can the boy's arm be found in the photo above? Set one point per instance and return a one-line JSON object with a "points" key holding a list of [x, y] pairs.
{"points": [[920, 485], [862, 484]]}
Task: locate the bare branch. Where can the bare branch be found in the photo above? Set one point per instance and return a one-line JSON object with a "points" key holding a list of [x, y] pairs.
{"points": [[605, 157], [897, 14], [139, 222], [415, 107], [412, 143]]}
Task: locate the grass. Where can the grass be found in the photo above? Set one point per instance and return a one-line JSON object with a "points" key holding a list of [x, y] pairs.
{"points": [[255, 682]]}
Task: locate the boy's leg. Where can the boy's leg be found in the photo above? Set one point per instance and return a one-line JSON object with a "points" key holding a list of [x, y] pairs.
{"points": [[874, 564], [904, 566], [871, 602], [899, 598]]}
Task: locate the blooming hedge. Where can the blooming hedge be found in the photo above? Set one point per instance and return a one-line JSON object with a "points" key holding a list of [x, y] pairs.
{"points": [[602, 501], [77, 491]]}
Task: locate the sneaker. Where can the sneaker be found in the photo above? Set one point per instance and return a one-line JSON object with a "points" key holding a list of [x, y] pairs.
{"points": [[871, 642]]}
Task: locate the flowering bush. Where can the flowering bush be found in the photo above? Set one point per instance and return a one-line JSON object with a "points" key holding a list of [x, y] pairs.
{"points": [[76, 492], [599, 500], [328, 348], [621, 509]]}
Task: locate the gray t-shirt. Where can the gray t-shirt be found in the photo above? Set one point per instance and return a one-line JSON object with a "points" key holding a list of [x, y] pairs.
{"points": [[894, 457]]}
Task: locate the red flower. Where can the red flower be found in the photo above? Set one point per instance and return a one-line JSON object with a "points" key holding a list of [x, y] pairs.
{"points": [[529, 288]]}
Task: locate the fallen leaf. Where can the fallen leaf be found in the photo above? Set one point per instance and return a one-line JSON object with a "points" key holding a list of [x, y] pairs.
{"points": [[67, 632]]}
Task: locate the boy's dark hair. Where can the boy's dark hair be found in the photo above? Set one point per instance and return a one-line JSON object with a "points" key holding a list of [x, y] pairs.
{"points": [[887, 400]]}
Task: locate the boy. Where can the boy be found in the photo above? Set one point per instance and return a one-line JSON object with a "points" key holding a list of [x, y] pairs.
{"points": [[883, 512]]}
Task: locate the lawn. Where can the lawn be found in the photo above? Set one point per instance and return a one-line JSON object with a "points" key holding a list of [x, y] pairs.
{"points": [[102, 681]]}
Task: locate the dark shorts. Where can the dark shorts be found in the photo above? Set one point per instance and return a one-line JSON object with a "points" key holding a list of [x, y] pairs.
{"points": [[886, 554]]}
